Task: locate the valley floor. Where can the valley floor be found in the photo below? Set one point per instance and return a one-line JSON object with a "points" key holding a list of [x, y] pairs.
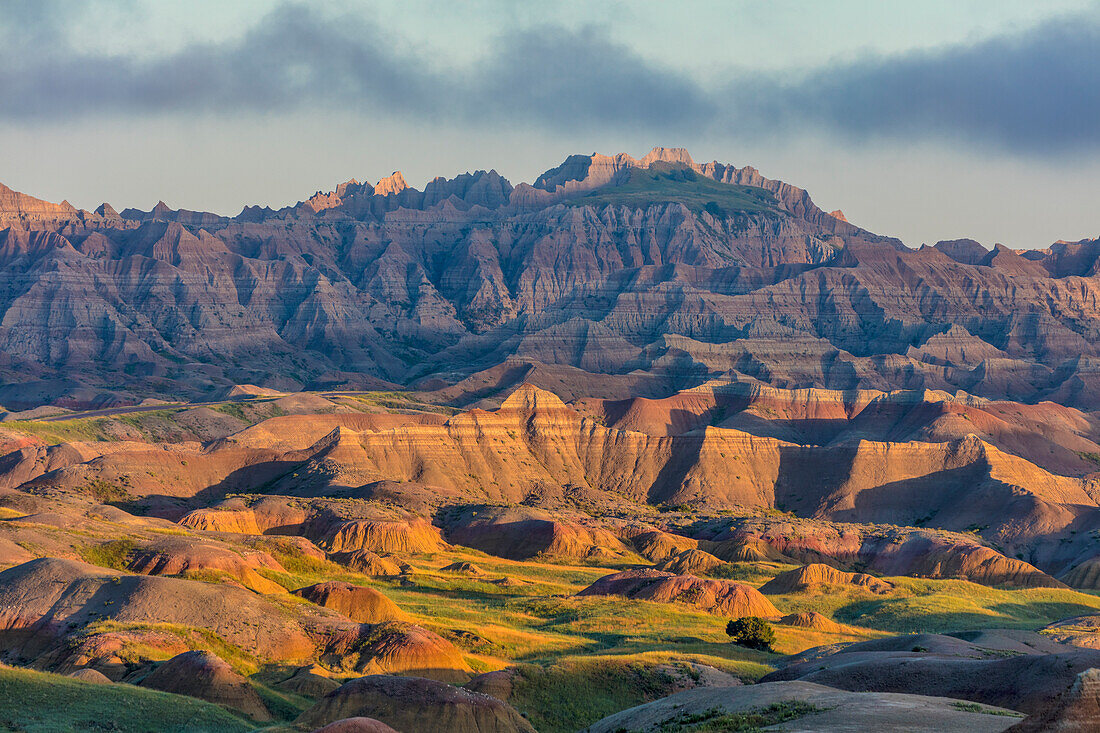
{"points": [[345, 555]]}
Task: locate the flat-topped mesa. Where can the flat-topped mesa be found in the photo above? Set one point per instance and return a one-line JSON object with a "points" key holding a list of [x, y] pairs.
{"points": [[580, 173], [667, 155], [583, 173]]}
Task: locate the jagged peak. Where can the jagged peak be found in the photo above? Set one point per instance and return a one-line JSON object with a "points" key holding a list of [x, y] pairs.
{"points": [[393, 183], [839, 215], [321, 200]]}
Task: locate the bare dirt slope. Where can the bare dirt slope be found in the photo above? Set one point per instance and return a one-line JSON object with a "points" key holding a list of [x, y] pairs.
{"points": [[837, 710]]}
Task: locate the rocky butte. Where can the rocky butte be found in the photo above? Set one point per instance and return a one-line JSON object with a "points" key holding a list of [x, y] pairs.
{"points": [[639, 276], [484, 457]]}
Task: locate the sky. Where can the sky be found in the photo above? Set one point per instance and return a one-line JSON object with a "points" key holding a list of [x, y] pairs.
{"points": [[925, 120]]}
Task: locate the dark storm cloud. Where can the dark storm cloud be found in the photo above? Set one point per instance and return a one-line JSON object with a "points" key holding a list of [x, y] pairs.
{"points": [[295, 58], [1037, 91]]}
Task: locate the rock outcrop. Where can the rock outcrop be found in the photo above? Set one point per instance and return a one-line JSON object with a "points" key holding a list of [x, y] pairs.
{"points": [[944, 667], [396, 647], [311, 681], [811, 620], [359, 603], [659, 266], [179, 556], [520, 534], [207, 677], [1077, 710], [826, 709], [378, 536], [91, 676], [463, 567], [412, 703], [367, 562], [690, 562], [818, 578], [43, 600], [656, 546], [720, 597], [356, 725]]}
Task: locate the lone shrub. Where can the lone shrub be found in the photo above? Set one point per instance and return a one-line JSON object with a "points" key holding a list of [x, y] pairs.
{"points": [[752, 632]]}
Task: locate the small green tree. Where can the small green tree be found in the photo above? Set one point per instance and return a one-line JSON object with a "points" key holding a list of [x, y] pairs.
{"points": [[752, 632]]}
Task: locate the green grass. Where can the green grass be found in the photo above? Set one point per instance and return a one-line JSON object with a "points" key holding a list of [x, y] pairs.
{"points": [[583, 658], [233, 409], [62, 431], [1091, 457], [391, 400], [958, 605], [281, 705], [753, 573], [663, 183], [298, 564], [973, 707], [160, 425], [571, 696], [114, 554], [194, 637], [106, 492], [539, 619], [38, 702], [745, 721]]}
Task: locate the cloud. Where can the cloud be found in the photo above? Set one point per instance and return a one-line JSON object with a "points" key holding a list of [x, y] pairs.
{"points": [[1037, 91], [295, 57]]}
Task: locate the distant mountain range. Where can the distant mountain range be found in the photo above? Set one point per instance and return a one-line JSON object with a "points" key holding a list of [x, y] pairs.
{"points": [[606, 276]]}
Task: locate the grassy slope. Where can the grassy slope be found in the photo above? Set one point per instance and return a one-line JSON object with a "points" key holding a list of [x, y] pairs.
{"points": [[672, 183], [37, 702], [584, 658], [162, 426], [568, 647]]}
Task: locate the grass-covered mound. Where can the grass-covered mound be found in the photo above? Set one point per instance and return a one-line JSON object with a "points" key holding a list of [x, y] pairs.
{"points": [[665, 183], [38, 702]]}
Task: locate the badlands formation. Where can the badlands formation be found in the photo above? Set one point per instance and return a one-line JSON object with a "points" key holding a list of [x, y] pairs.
{"points": [[486, 457]]}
